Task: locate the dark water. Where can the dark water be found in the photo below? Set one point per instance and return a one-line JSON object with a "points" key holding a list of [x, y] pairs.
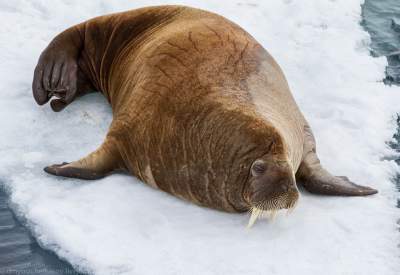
{"points": [[381, 18], [20, 253], [396, 146]]}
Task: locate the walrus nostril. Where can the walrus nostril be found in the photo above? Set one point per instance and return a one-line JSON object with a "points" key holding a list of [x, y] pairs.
{"points": [[284, 187]]}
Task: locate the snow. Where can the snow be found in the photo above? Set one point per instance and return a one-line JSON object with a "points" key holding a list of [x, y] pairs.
{"points": [[120, 226]]}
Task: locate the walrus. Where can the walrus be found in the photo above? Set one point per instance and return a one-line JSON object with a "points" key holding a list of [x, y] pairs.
{"points": [[200, 110]]}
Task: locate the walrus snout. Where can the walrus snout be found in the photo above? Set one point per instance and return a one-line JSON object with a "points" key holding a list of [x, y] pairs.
{"points": [[266, 191], [271, 185]]}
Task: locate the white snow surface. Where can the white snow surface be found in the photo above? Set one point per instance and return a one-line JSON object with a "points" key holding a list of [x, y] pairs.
{"points": [[120, 226]]}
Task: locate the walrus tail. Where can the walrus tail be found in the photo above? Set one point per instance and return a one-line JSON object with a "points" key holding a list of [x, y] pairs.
{"points": [[98, 164]]}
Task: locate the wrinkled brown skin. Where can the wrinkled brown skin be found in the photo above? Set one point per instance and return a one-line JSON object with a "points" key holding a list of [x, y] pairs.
{"points": [[200, 109]]}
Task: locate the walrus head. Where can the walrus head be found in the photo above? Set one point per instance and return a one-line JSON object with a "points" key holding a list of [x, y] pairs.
{"points": [[271, 186]]}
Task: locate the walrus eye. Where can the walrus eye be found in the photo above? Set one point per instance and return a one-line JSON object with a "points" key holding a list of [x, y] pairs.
{"points": [[258, 168]]}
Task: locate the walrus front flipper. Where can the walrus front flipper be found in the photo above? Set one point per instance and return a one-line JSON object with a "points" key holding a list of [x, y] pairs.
{"points": [[96, 165], [317, 180], [57, 73]]}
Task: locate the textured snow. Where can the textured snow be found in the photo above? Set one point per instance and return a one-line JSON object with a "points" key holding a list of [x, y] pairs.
{"points": [[120, 226]]}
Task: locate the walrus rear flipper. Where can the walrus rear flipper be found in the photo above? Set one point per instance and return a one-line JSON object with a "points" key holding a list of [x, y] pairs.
{"points": [[96, 165], [316, 179], [322, 182]]}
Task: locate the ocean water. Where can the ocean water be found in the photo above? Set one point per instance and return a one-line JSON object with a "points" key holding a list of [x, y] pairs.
{"points": [[381, 18], [19, 251], [69, 203]]}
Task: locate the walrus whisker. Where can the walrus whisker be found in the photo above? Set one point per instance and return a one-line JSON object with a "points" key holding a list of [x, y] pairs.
{"points": [[292, 206], [289, 211], [265, 214], [273, 214], [269, 208]]}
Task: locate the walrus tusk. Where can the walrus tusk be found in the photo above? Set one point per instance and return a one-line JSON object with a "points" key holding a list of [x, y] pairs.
{"points": [[255, 213], [273, 214], [291, 208]]}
